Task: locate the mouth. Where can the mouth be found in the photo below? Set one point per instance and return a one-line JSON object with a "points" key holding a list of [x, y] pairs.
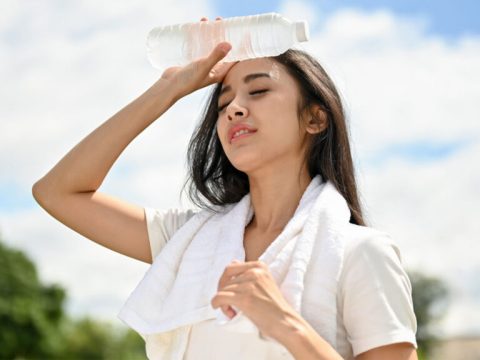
{"points": [[242, 136]]}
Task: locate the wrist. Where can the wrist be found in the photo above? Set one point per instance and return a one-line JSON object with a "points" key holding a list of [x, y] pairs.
{"points": [[162, 95], [301, 339], [175, 84], [290, 325]]}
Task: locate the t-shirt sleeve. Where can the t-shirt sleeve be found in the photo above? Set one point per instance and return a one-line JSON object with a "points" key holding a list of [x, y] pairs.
{"points": [[162, 224], [377, 296]]}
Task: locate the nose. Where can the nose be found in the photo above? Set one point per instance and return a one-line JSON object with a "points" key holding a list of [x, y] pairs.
{"points": [[235, 110]]}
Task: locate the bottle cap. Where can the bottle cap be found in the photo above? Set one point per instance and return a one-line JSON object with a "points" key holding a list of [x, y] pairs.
{"points": [[301, 30]]}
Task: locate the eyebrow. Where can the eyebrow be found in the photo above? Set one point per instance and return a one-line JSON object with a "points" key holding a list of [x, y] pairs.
{"points": [[246, 80]]}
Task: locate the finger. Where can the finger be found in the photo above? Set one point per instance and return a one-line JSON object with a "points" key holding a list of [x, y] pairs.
{"points": [[238, 284], [238, 279], [218, 53], [218, 72], [235, 273], [204, 19], [235, 269], [218, 18], [228, 311], [224, 298]]}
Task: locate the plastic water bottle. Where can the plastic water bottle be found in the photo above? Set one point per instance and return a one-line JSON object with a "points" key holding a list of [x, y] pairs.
{"points": [[252, 36]]}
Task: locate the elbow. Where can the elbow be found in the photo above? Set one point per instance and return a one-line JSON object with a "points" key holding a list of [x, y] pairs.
{"points": [[36, 192], [40, 193]]}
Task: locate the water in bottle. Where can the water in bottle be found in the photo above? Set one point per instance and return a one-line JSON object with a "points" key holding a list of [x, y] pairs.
{"points": [[251, 36]]}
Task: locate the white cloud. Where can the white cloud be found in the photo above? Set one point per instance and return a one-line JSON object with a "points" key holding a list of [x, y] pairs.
{"points": [[62, 84], [400, 85], [72, 66], [299, 11]]}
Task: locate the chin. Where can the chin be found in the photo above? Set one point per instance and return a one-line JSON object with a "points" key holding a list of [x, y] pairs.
{"points": [[246, 164]]}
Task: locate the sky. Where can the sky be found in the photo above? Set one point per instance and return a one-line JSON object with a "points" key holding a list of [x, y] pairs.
{"points": [[409, 75]]}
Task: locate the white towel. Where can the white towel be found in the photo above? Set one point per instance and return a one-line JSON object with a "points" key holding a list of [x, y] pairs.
{"points": [[176, 291]]}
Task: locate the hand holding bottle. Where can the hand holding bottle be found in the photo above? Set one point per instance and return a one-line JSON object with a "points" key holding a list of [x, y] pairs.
{"points": [[199, 73]]}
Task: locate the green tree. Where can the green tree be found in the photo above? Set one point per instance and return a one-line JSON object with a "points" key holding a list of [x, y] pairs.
{"points": [[128, 345], [86, 338], [30, 313], [33, 324], [430, 301]]}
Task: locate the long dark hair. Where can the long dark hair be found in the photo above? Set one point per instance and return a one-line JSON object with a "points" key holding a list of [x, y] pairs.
{"points": [[214, 181]]}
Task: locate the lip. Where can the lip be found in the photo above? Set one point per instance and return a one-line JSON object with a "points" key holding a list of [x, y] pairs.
{"points": [[239, 137], [239, 127]]}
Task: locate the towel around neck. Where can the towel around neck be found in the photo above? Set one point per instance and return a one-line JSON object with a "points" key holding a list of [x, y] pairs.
{"points": [[177, 289]]}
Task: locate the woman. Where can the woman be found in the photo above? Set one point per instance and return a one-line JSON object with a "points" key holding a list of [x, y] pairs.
{"points": [[274, 134]]}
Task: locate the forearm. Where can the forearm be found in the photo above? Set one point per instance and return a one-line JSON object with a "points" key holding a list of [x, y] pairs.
{"points": [[302, 341], [84, 167]]}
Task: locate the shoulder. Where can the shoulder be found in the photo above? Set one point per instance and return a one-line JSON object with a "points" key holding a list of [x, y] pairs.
{"points": [[173, 215], [371, 258], [162, 224], [375, 293], [367, 241]]}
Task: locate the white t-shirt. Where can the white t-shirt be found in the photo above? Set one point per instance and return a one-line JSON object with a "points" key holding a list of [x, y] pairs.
{"points": [[374, 301]]}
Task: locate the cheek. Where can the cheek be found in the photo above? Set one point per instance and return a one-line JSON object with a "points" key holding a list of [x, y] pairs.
{"points": [[283, 125], [221, 132], [219, 129], [283, 137]]}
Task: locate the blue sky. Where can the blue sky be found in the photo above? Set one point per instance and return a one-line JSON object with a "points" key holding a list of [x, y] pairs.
{"points": [[446, 18], [14, 197], [424, 151]]}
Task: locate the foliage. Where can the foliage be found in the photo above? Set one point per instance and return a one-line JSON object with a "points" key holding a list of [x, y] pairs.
{"points": [[30, 313], [92, 339], [430, 301], [33, 323]]}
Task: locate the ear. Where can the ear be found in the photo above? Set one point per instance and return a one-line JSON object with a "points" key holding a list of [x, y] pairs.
{"points": [[317, 121]]}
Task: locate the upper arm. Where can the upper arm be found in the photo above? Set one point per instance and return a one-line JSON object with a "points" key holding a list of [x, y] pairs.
{"points": [[399, 351], [376, 299], [115, 224]]}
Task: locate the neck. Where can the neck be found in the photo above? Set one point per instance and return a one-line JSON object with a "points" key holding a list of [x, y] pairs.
{"points": [[275, 198]]}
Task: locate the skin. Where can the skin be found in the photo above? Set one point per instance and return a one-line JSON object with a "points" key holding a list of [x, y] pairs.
{"points": [[272, 159]]}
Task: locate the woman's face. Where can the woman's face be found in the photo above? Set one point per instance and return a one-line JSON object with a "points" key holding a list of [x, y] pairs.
{"points": [[267, 103]]}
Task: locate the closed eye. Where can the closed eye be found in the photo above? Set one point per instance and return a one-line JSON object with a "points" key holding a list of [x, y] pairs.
{"points": [[220, 108]]}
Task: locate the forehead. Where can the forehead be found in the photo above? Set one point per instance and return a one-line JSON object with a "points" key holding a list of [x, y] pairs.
{"points": [[262, 67]]}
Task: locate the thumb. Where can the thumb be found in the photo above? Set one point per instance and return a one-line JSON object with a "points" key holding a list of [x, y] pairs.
{"points": [[218, 53]]}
